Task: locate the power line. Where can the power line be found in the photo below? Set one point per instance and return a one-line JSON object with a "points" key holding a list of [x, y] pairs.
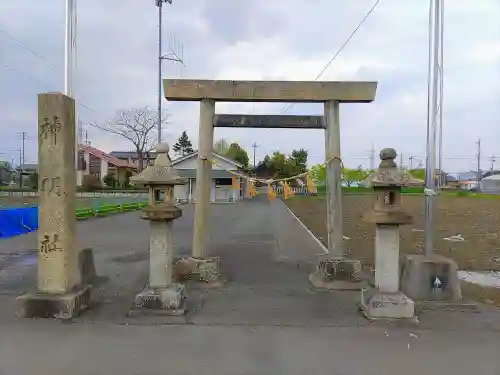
{"points": [[341, 48], [29, 49], [81, 104], [32, 51]]}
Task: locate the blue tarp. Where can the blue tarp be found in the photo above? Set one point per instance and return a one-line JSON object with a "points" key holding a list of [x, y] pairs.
{"points": [[16, 221]]}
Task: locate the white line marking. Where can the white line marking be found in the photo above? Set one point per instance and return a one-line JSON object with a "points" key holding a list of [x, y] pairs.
{"points": [[323, 247]]}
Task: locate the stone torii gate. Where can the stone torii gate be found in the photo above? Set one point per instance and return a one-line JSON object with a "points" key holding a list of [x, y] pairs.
{"points": [[336, 271]]}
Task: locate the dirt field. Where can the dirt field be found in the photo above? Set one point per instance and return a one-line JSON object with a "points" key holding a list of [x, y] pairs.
{"points": [[476, 219]]}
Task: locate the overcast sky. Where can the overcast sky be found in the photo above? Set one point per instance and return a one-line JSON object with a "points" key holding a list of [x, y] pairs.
{"points": [[263, 39]]}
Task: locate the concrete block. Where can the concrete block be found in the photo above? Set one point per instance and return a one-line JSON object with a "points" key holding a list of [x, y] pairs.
{"points": [[430, 278], [165, 301], [63, 306], [377, 305], [86, 265], [338, 274], [203, 270]]}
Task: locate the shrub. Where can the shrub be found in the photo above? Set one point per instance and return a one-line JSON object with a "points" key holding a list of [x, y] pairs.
{"points": [[110, 180], [90, 183]]}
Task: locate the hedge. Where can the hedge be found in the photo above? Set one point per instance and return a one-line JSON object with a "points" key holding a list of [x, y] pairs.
{"points": [[86, 213], [78, 190]]}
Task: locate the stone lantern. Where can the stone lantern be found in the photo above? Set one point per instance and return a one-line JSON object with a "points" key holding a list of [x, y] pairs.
{"points": [[160, 178], [385, 300]]}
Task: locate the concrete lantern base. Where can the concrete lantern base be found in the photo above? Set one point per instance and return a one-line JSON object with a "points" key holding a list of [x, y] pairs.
{"points": [[62, 306], [337, 274], [377, 305], [431, 278], [164, 301], [202, 270]]}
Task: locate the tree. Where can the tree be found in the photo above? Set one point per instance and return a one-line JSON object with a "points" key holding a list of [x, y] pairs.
{"points": [[418, 173], [318, 174], [183, 146], [349, 176], [6, 173], [299, 159], [277, 163], [238, 154], [221, 146], [33, 181], [137, 125], [126, 183], [287, 166]]}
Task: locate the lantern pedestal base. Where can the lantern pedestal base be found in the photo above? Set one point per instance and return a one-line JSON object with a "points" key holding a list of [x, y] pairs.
{"points": [[165, 301], [430, 278], [337, 274], [377, 305]]}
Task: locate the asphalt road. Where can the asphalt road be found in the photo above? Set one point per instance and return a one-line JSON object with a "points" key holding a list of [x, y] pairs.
{"points": [[265, 320]]}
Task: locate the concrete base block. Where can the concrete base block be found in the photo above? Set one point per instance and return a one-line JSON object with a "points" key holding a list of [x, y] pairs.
{"points": [[337, 274], [430, 278], [377, 305], [166, 301], [86, 265], [62, 306], [202, 270]]}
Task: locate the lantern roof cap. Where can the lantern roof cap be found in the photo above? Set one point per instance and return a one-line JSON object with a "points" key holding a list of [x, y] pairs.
{"points": [[161, 172], [389, 175]]}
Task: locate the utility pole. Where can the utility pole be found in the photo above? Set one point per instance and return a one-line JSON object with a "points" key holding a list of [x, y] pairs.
{"points": [[401, 161], [20, 168], [411, 162], [171, 57], [372, 158], [478, 173], [21, 159], [435, 67], [254, 146], [70, 59], [493, 160]]}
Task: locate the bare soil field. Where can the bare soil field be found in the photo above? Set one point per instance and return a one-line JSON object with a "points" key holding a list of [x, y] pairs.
{"points": [[476, 219]]}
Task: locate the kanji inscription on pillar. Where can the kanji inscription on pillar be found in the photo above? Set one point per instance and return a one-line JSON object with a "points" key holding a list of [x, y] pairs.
{"points": [[49, 128], [57, 266]]}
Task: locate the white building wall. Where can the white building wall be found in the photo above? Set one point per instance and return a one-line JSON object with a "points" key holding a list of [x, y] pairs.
{"points": [[104, 169], [490, 184], [80, 174], [181, 192], [191, 163], [217, 194]]}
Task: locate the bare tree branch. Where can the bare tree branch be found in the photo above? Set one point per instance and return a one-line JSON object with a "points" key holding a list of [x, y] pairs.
{"points": [[137, 125]]}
